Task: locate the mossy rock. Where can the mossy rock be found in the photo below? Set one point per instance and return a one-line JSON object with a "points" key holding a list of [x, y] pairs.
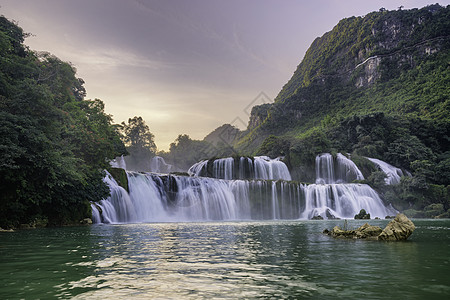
{"points": [[363, 215], [120, 176]]}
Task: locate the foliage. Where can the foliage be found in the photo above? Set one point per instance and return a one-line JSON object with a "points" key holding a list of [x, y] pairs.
{"points": [[54, 144], [184, 152], [139, 142], [274, 146], [374, 86]]}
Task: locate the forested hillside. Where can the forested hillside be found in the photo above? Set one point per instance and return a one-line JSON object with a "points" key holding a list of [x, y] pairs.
{"points": [[375, 86], [54, 144]]}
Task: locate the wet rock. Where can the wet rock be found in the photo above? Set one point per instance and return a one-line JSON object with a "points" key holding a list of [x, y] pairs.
{"points": [[363, 215], [330, 216], [6, 230], [319, 217], [366, 231], [398, 229], [86, 221], [340, 233]]}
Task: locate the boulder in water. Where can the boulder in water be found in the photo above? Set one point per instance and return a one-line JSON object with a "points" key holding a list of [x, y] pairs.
{"points": [[86, 221], [398, 229], [363, 215], [366, 231]]}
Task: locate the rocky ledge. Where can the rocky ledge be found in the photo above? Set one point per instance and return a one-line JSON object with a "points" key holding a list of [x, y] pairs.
{"points": [[399, 229]]}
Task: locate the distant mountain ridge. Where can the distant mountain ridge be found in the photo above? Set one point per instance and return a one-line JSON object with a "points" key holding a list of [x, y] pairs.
{"points": [[395, 62]]}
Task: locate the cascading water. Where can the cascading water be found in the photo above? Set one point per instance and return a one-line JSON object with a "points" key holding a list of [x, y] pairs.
{"points": [[340, 170], [117, 208], [159, 198], [260, 167], [159, 165], [393, 174]]}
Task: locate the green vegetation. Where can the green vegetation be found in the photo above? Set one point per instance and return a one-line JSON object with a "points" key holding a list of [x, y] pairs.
{"points": [[375, 86], [184, 152], [139, 142], [54, 144]]}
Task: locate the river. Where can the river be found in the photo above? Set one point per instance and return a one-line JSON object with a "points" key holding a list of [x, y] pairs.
{"points": [[226, 260]]}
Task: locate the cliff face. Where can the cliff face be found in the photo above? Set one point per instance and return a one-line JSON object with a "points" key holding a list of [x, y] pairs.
{"points": [[389, 61], [361, 44]]}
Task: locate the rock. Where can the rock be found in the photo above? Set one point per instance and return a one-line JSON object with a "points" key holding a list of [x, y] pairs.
{"points": [[6, 230], [340, 233], [330, 216], [367, 231], [389, 217], [398, 229], [86, 221], [362, 215], [319, 217], [120, 176]]}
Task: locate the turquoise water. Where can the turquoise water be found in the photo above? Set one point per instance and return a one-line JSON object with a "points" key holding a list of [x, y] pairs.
{"points": [[232, 260]]}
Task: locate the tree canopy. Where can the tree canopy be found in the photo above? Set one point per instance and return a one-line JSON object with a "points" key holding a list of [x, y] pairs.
{"points": [[55, 145], [139, 142]]}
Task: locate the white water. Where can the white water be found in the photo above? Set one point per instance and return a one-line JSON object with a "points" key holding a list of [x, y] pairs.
{"points": [[393, 174], [165, 198], [159, 165], [331, 170], [156, 198], [261, 167]]}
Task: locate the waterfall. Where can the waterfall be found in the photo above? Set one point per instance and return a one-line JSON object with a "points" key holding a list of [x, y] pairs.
{"points": [[270, 169], [242, 188], [223, 168], [340, 170], [393, 174], [260, 167], [343, 201], [324, 168], [159, 198], [159, 165], [118, 207]]}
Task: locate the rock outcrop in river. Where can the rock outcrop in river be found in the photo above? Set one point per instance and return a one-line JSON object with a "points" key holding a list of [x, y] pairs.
{"points": [[399, 229]]}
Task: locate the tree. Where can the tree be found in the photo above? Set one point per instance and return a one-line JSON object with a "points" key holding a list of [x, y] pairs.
{"points": [[139, 142], [55, 145], [184, 151]]}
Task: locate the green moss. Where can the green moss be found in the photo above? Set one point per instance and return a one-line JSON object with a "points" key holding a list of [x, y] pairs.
{"points": [[120, 176]]}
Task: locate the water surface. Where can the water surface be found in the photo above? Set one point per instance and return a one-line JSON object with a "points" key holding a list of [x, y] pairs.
{"points": [[285, 259]]}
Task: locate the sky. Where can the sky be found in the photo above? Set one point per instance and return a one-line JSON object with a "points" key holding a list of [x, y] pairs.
{"points": [[185, 66]]}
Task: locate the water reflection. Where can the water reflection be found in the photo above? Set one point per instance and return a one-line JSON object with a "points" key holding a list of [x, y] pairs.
{"points": [[222, 260]]}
